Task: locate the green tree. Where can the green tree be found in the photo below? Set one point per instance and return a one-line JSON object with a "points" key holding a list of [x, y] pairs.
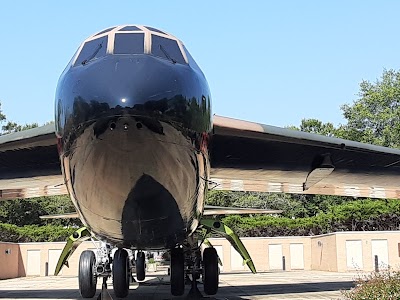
{"points": [[14, 127], [10, 127], [2, 116], [292, 205], [21, 212], [219, 198], [28, 211], [318, 127], [375, 116], [29, 126]]}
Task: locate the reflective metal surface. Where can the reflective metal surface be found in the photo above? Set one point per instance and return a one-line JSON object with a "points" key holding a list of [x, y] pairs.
{"points": [[133, 134]]}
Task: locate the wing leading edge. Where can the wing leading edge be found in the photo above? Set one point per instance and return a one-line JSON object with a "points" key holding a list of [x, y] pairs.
{"points": [[29, 164], [249, 156]]}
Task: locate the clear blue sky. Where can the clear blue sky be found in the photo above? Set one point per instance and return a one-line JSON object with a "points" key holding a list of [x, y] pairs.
{"points": [[274, 62]]}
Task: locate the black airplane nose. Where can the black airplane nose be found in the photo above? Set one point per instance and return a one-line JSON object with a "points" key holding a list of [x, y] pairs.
{"points": [[123, 81], [140, 85], [130, 123]]}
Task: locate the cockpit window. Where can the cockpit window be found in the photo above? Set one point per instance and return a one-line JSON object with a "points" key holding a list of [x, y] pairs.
{"points": [[166, 48], [105, 30], [154, 29], [91, 50], [129, 43], [130, 28], [190, 59]]}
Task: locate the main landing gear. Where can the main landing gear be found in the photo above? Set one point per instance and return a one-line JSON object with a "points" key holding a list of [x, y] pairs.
{"points": [[140, 266], [210, 271], [92, 267], [187, 261], [87, 274], [121, 273], [177, 272]]}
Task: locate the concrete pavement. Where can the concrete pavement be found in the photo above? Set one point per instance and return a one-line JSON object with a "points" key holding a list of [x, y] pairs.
{"points": [[271, 285]]}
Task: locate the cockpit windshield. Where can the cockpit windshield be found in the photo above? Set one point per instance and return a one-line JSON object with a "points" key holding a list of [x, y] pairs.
{"points": [[129, 43], [166, 48], [91, 50], [132, 39]]}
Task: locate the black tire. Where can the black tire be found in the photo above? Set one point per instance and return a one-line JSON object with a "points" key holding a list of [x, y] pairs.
{"points": [[177, 270], [211, 271], [121, 273], [140, 266], [87, 278]]}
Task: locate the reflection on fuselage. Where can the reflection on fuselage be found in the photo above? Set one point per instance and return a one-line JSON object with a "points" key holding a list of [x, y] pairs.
{"points": [[133, 141]]}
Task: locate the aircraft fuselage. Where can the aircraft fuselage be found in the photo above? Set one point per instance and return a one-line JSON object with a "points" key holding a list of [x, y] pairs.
{"points": [[133, 131]]}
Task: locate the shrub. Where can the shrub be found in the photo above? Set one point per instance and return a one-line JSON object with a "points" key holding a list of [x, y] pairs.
{"points": [[151, 260], [34, 233], [384, 285], [359, 215]]}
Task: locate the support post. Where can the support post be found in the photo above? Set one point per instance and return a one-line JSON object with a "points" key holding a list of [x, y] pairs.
{"points": [[283, 263], [376, 264]]}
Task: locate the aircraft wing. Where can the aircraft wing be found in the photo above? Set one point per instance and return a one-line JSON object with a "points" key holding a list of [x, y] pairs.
{"points": [[29, 164], [248, 156], [245, 156]]}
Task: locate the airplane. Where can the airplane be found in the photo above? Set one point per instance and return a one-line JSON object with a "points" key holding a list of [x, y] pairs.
{"points": [[139, 148]]}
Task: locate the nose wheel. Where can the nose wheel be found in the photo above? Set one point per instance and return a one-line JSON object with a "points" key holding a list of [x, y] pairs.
{"points": [[121, 273]]}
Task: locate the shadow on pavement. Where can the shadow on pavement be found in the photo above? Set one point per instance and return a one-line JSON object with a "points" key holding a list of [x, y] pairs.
{"points": [[147, 291], [41, 294], [293, 288]]}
